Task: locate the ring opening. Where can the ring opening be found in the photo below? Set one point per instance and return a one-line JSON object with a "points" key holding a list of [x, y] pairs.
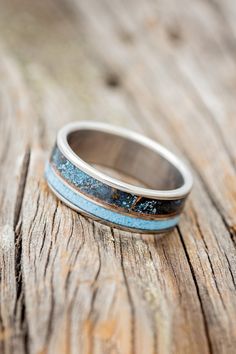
{"points": [[119, 156]]}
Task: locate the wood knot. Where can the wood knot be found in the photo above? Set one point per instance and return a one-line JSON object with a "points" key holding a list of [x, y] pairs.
{"points": [[174, 34], [112, 80], [126, 37]]}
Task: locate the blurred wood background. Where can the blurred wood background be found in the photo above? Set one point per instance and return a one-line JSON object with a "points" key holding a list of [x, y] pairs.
{"points": [[166, 68]]}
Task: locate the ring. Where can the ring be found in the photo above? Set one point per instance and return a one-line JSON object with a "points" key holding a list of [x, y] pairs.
{"points": [[118, 177]]}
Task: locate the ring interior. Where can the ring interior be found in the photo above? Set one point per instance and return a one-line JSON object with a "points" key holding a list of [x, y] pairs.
{"points": [[126, 157]]}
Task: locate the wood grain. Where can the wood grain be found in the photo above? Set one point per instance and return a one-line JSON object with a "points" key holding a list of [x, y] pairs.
{"points": [[164, 68]]}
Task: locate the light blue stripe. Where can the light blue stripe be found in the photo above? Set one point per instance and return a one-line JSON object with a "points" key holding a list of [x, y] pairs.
{"points": [[103, 213]]}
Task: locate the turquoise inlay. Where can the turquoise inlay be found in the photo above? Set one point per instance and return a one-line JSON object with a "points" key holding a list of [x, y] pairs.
{"points": [[103, 213]]}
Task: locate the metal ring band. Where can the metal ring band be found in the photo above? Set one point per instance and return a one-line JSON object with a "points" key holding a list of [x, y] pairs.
{"points": [[73, 178]]}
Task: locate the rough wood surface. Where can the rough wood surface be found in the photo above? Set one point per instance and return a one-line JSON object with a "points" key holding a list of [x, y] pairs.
{"points": [[166, 68]]}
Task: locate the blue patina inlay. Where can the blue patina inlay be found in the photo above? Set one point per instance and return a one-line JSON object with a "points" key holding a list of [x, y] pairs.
{"points": [[111, 196], [145, 205], [101, 212]]}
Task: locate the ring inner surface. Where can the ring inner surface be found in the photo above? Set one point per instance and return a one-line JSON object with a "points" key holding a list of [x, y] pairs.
{"points": [[125, 159]]}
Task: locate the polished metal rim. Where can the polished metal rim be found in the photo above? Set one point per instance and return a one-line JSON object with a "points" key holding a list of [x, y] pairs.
{"points": [[63, 145]]}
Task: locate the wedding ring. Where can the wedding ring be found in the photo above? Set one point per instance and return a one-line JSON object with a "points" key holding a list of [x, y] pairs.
{"points": [[118, 177]]}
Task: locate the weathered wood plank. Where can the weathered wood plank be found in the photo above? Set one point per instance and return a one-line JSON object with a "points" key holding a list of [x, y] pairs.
{"points": [[70, 285]]}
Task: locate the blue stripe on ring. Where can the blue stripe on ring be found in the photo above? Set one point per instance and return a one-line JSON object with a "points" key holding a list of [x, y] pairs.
{"points": [[103, 213]]}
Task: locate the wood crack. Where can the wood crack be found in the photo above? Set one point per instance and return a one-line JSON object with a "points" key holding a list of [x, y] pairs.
{"points": [[51, 309], [208, 257], [17, 224], [230, 270], [79, 248], [132, 308], [21, 187], [155, 338], [44, 234], [173, 271], [51, 240], [204, 315], [94, 287]]}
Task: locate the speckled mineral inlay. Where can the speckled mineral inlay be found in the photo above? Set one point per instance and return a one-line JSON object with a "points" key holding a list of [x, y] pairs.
{"points": [[88, 206], [112, 197]]}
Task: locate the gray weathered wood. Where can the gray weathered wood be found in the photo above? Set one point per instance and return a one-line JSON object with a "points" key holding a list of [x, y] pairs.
{"points": [[164, 68]]}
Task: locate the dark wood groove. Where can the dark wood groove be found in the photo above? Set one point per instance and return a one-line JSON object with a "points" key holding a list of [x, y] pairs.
{"points": [[204, 315]]}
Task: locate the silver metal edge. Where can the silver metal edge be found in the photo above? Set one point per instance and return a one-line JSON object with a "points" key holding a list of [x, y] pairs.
{"points": [[64, 147]]}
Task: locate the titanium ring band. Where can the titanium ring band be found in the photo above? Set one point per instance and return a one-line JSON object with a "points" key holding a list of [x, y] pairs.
{"points": [[118, 177]]}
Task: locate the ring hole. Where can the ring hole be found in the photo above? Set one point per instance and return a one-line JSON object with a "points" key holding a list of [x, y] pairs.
{"points": [[126, 157]]}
